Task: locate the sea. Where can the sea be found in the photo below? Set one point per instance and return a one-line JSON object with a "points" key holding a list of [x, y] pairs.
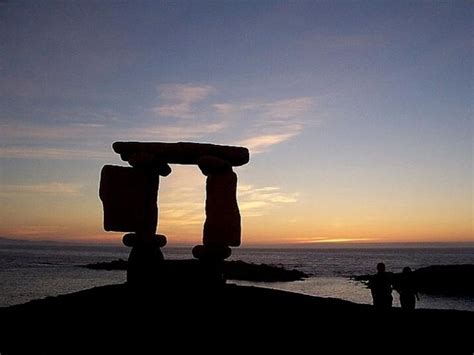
{"points": [[30, 271]]}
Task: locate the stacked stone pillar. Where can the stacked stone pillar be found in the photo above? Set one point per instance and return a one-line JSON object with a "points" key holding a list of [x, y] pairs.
{"points": [[222, 226], [129, 196]]}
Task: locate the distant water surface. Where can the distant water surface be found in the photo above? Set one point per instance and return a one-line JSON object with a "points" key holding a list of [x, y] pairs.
{"points": [[32, 271]]}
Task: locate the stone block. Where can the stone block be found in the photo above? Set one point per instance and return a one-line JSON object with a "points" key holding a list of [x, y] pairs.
{"points": [[183, 152], [129, 198], [132, 239], [211, 252], [211, 165], [222, 225]]}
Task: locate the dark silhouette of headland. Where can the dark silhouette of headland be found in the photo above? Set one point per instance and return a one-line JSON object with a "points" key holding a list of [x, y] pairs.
{"points": [[446, 280], [187, 316], [186, 269]]}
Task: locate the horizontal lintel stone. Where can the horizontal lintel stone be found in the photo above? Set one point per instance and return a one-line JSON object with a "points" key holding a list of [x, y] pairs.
{"points": [[187, 153]]}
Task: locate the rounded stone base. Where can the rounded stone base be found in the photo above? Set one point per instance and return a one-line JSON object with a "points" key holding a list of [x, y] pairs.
{"points": [[211, 252], [132, 239]]}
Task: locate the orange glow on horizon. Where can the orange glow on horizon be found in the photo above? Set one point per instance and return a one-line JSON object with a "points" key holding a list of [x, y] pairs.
{"points": [[270, 216]]}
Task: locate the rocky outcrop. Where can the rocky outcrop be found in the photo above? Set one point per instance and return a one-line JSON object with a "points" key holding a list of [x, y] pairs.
{"points": [[446, 279], [233, 270], [450, 280]]}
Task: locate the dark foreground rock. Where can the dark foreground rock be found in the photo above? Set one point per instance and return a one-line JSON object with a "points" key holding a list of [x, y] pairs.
{"points": [[191, 317], [233, 270], [449, 280], [446, 279]]}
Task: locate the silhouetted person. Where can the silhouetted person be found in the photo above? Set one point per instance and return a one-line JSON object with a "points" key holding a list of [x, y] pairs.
{"points": [[407, 289], [381, 288]]}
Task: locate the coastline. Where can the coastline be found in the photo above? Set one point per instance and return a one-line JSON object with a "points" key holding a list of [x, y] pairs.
{"points": [[114, 318], [35, 272]]}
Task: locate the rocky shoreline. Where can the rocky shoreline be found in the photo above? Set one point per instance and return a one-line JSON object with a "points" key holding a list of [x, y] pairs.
{"points": [[233, 270], [449, 280]]}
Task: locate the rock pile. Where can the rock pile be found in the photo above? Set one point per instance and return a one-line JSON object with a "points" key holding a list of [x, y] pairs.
{"points": [[129, 197]]}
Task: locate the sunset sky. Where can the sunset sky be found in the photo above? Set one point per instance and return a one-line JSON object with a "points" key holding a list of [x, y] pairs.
{"points": [[358, 115]]}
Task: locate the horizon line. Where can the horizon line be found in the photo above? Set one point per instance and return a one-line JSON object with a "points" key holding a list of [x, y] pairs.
{"points": [[275, 245]]}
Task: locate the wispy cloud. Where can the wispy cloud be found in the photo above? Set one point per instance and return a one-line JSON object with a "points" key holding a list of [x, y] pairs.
{"points": [[32, 141], [262, 143], [51, 132], [54, 188], [273, 122], [182, 198], [177, 100], [270, 122], [35, 231], [267, 123], [289, 108], [285, 108], [257, 201], [81, 131], [186, 209], [52, 153], [225, 109], [182, 214], [174, 132], [17, 138], [182, 201], [326, 240]]}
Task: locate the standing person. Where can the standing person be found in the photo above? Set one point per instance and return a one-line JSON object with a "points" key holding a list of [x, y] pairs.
{"points": [[407, 289], [381, 288]]}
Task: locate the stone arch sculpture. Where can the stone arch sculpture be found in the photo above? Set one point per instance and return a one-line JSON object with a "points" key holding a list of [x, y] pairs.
{"points": [[129, 196]]}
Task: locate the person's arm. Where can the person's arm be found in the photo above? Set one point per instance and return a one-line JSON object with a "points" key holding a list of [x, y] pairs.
{"points": [[370, 282]]}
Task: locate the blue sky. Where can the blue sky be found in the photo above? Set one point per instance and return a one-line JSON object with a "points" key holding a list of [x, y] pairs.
{"points": [[358, 115]]}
